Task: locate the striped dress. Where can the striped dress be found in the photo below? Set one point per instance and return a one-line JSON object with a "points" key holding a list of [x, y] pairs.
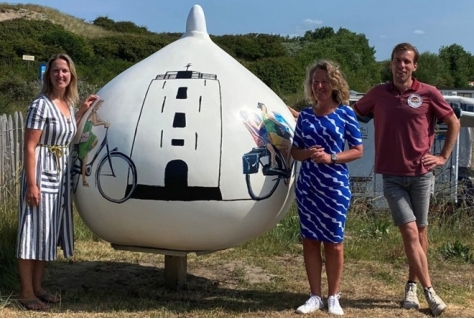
{"points": [[41, 229], [322, 190]]}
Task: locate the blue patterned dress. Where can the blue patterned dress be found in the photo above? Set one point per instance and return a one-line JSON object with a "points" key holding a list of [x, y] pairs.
{"points": [[322, 190], [41, 229]]}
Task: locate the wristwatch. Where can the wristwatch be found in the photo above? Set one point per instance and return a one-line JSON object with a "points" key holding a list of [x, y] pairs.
{"points": [[333, 158]]}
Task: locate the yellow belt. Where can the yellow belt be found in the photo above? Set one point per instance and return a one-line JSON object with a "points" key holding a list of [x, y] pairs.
{"points": [[58, 152]]}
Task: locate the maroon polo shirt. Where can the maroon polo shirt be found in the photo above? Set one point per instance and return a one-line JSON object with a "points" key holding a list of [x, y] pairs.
{"points": [[404, 125]]}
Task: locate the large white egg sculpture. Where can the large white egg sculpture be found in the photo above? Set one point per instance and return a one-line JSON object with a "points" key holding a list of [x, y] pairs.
{"points": [[185, 151]]}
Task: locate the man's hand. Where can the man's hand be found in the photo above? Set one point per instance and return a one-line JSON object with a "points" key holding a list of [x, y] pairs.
{"points": [[432, 161]]}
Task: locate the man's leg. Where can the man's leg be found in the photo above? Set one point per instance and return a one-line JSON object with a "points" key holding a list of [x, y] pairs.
{"points": [[398, 198], [417, 261], [423, 238], [420, 195]]}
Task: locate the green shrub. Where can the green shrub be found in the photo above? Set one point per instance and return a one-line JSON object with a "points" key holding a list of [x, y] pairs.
{"points": [[8, 232], [457, 250]]}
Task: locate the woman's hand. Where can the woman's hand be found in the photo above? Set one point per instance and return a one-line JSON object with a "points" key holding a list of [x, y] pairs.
{"points": [[318, 155], [88, 102], [32, 195], [86, 106]]}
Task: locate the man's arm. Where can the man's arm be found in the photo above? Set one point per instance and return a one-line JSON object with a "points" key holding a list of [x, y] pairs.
{"points": [[432, 161], [453, 125], [364, 119], [363, 108]]}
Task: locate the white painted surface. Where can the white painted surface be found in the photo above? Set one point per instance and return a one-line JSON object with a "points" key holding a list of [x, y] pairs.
{"points": [[211, 208]]}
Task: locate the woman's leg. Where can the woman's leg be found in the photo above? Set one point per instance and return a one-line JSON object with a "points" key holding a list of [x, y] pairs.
{"points": [[313, 263], [38, 272], [334, 263], [26, 269]]}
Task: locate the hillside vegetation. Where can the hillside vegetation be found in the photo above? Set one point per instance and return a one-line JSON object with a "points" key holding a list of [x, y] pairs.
{"points": [[103, 48]]}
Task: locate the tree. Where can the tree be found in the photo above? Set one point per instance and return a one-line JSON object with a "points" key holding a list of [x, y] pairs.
{"points": [[319, 34], [252, 46], [282, 74], [456, 61], [431, 70], [350, 50], [74, 45]]}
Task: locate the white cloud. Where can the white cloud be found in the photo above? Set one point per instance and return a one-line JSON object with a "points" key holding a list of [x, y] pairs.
{"points": [[419, 32], [312, 22]]}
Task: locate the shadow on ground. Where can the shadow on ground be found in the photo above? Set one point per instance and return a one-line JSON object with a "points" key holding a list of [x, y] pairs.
{"points": [[95, 286]]}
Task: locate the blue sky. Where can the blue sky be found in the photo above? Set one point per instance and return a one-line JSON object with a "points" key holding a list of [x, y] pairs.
{"points": [[428, 24]]}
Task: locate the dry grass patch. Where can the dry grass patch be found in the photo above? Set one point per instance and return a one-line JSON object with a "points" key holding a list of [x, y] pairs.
{"points": [[37, 12], [102, 282]]}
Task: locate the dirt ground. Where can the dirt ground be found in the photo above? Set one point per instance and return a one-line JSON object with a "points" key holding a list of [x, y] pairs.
{"points": [[87, 276], [9, 14], [102, 282]]}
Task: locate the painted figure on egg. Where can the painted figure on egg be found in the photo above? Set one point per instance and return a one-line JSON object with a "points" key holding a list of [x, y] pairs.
{"points": [[273, 136], [88, 139], [115, 175]]}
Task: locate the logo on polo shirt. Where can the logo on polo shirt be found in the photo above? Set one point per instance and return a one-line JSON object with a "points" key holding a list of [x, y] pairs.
{"points": [[414, 100]]}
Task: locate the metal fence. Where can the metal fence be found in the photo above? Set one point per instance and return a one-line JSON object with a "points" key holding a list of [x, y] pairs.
{"points": [[11, 153]]}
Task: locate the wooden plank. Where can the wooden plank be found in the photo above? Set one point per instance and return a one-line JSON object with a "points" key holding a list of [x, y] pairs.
{"points": [[10, 174], [17, 160], [175, 272], [21, 138], [11, 153], [2, 158]]}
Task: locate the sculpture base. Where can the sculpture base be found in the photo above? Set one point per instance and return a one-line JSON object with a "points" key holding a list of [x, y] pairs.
{"points": [[176, 263]]}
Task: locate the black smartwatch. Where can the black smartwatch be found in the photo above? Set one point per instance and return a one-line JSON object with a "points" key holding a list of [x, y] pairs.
{"points": [[333, 158]]}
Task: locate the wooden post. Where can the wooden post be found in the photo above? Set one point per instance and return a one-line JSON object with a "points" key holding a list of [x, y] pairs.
{"points": [[175, 272], [176, 264]]}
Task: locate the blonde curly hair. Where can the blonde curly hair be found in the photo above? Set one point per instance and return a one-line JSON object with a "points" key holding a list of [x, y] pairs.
{"points": [[337, 81]]}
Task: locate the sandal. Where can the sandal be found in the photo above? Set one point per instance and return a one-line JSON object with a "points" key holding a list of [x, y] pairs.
{"points": [[33, 304], [48, 298]]}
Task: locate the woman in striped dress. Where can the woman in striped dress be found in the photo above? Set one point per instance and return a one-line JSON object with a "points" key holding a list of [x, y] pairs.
{"points": [[45, 206], [322, 189]]}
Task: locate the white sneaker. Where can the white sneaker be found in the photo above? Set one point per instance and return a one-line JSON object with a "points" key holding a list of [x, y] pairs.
{"points": [[437, 305], [334, 308], [411, 299], [312, 304]]}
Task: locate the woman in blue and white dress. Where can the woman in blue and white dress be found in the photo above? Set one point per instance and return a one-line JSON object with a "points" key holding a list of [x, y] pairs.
{"points": [[322, 189], [45, 206]]}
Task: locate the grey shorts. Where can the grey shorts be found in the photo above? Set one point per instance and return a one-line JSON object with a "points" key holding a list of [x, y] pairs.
{"points": [[409, 197]]}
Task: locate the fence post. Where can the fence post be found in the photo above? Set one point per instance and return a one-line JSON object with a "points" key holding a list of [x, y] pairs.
{"points": [[11, 153], [18, 136], [3, 142]]}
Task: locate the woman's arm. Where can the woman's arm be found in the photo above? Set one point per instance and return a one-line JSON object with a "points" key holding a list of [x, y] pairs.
{"points": [[32, 138], [353, 153], [302, 154], [85, 106], [294, 112], [318, 155]]}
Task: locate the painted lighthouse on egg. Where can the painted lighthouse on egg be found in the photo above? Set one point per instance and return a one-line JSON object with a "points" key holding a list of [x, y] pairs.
{"points": [[186, 150]]}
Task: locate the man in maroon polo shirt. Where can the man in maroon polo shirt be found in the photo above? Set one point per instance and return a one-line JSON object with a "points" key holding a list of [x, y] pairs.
{"points": [[405, 112]]}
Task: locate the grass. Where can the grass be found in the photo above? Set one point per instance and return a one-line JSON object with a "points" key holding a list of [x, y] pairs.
{"points": [[8, 232], [263, 278]]}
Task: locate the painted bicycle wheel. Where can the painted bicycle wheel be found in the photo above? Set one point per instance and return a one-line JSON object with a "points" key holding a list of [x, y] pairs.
{"points": [[116, 177]]}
